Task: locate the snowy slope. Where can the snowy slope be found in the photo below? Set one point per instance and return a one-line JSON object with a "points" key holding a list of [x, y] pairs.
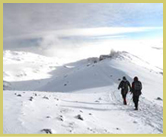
{"points": [[26, 67], [107, 73], [82, 97], [21, 66], [101, 111]]}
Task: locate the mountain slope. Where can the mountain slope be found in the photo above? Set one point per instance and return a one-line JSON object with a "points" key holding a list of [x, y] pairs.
{"points": [[107, 73], [82, 97]]}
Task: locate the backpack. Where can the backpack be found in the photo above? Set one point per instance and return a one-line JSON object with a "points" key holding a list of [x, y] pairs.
{"points": [[125, 85], [137, 85]]}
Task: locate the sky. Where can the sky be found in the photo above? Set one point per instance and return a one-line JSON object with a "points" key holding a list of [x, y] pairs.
{"points": [[64, 28]]}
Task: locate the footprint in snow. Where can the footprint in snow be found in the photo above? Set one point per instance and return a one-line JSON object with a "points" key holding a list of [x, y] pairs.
{"points": [[56, 99], [89, 129], [135, 122], [48, 117], [99, 99], [60, 118]]}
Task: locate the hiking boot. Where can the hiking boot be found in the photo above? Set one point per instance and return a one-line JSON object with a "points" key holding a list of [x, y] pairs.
{"points": [[125, 102]]}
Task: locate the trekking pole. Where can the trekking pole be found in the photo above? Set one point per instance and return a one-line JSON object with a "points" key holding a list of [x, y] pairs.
{"points": [[130, 99]]}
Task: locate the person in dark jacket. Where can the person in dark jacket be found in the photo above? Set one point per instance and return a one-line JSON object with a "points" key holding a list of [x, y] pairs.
{"points": [[124, 84], [136, 90]]}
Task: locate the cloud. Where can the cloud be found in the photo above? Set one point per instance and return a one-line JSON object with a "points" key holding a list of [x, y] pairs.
{"points": [[86, 32], [103, 31], [67, 29], [67, 43], [29, 18]]}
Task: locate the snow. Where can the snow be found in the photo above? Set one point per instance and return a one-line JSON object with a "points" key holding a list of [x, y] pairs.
{"points": [[21, 66], [79, 97], [101, 113]]}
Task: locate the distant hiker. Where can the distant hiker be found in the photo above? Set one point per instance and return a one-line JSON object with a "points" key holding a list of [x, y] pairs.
{"points": [[136, 90], [124, 84]]}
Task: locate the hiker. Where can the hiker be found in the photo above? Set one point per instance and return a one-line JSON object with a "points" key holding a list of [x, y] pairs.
{"points": [[136, 91], [124, 84]]}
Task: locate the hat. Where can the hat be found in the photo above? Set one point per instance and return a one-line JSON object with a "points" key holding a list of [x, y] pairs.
{"points": [[124, 78], [135, 78]]}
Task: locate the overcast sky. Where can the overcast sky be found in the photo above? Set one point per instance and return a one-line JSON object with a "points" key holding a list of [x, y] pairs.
{"points": [[23, 19], [51, 25]]}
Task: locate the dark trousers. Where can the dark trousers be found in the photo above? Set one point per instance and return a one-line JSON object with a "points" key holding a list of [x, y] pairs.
{"points": [[124, 93], [135, 100]]}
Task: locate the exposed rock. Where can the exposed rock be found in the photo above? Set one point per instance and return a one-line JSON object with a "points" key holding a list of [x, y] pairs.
{"points": [[35, 94], [158, 98], [45, 97], [31, 98], [19, 95], [79, 117], [47, 131], [6, 85]]}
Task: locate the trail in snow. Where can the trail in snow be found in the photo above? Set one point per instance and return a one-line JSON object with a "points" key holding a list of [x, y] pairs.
{"points": [[149, 113], [103, 112]]}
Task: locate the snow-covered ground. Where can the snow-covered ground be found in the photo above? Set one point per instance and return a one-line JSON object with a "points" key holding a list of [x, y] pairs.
{"points": [[41, 96]]}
